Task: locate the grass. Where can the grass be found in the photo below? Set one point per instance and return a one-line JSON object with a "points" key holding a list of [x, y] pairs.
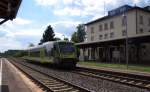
{"points": [[142, 68]]}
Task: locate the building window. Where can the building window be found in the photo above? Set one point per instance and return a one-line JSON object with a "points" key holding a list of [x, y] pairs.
{"points": [[149, 22], [106, 26], [141, 30], [100, 37], [141, 19], [106, 36], [123, 32], [124, 20], [111, 34], [92, 30], [111, 25], [100, 27], [92, 38]]}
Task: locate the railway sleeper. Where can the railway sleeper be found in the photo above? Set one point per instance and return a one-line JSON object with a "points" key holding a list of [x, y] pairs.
{"points": [[123, 80], [74, 91], [55, 85], [63, 90], [131, 82], [60, 87], [111, 78], [148, 86], [139, 83], [118, 79], [51, 83]]}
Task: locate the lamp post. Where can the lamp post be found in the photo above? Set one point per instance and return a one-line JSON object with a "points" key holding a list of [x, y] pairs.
{"points": [[63, 36], [126, 32]]}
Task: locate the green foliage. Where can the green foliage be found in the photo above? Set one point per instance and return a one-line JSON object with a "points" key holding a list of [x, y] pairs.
{"points": [[29, 53], [80, 32], [57, 39], [79, 35], [48, 35], [15, 53], [31, 45], [74, 37], [143, 68], [19, 54], [66, 39]]}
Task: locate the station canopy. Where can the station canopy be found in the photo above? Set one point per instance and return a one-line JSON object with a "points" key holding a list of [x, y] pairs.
{"points": [[8, 9]]}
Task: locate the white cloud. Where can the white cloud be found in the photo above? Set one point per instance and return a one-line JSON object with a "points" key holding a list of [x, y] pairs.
{"points": [[63, 28], [17, 22], [136, 1], [9, 43], [59, 35], [21, 21], [85, 7], [25, 33], [15, 34], [65, 23], [47, 2], [68, 2], [68, 11], [19, 37], [11, 31]]}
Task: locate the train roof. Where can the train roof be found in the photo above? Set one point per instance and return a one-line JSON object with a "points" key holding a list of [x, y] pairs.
{"points": [[47, 45]]}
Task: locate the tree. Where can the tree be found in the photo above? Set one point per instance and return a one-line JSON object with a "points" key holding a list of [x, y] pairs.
{"points": [[80, 32], [31, 45], [48, 35], [74, 37], [57, 39], [66, 39], [79, 36]]}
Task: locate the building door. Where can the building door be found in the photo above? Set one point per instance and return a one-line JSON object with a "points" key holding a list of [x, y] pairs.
{"points": [[101, 54]]}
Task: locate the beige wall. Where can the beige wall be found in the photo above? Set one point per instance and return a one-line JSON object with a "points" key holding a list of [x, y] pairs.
{"points": [[131, 26]]}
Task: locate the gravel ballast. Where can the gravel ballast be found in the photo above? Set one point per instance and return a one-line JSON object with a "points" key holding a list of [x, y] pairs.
{"points": [[96, 85]]}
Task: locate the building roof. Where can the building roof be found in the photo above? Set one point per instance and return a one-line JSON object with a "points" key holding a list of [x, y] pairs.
{"points": [[146, 9], [9, 9], [131, 40]]}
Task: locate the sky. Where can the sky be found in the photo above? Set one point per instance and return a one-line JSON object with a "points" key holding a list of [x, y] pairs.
{"points": [[63, 15]]}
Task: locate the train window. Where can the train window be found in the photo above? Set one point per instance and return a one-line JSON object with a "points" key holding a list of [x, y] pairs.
{"points": [[67, 49]]}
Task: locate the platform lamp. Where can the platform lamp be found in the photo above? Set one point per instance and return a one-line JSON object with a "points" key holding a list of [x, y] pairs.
{"points": [[126, 33], [63, 36]]}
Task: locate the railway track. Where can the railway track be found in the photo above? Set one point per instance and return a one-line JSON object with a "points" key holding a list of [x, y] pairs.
{"points": [[138, 81], [123, 78], [47, 82]]}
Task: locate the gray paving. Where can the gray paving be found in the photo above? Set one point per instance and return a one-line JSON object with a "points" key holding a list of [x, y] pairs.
{"points": [[11, 81]]}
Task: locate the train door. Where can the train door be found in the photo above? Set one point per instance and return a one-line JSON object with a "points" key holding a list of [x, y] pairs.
{"points": [[55, 54]]}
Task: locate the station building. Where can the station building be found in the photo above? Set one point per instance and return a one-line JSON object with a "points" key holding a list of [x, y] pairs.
{"points": [[106, 37]]}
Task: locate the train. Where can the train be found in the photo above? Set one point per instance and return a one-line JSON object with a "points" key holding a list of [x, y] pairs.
{"points": [[58, 53]]}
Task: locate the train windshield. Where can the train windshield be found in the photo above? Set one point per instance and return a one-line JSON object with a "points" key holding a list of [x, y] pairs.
{"points": [[66, 47]]}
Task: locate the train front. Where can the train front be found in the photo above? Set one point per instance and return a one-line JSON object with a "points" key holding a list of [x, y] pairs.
{"points": [[67, 54]]}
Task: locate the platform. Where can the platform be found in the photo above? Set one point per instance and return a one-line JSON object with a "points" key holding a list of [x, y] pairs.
{"points": [[12, 80], [116, 70]]}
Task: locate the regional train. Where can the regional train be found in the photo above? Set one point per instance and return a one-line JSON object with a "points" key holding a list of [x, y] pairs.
{"points": [[59, 53]]}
